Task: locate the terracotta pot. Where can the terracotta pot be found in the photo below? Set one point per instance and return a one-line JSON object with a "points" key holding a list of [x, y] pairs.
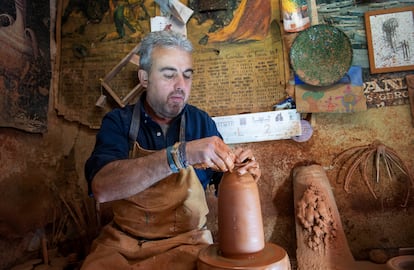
{"points": [[239, 216]]}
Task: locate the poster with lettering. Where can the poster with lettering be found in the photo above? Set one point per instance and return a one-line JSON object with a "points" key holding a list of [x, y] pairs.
{"points": [[238, 55]]}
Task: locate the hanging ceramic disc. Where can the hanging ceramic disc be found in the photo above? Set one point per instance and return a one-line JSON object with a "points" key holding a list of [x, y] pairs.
{"points": [[321, 55]]}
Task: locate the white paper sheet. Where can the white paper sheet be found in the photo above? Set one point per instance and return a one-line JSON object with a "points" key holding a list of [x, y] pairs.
{"points": [[263, 126]]}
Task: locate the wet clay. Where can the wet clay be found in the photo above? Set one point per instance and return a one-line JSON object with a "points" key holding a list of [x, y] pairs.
{"points": [[241, 242], [239, 216]]}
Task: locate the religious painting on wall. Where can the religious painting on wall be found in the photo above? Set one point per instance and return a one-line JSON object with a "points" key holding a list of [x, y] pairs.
{"points": [[238, 54], [94, 37], [25, 69], [239, 59]]}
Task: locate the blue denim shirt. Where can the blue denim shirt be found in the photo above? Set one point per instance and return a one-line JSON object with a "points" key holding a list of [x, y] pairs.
{"points": [[112, 142]]}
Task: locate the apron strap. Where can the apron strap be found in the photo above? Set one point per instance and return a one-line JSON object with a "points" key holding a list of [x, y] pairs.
{"points": [[182, 128], [135, 122]]}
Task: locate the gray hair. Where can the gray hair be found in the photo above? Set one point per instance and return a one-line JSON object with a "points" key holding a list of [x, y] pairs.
{"points": [[163, 39]]}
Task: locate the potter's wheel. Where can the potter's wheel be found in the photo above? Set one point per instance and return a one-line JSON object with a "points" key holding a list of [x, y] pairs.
{"points": [[272, 257]]}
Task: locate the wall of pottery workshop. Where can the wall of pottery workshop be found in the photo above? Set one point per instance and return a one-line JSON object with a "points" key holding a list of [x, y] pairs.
{"points": [[240, 68]]}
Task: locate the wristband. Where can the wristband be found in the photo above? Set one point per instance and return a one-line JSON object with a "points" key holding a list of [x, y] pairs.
{"points": [[170, 160], [175, 153]]}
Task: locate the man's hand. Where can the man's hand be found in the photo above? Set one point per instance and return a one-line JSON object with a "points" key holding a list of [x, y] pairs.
{"points": [[246, 162], [213, 153], [210, 152]]}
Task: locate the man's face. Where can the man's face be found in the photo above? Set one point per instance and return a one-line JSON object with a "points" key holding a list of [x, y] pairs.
{"points": [[169, 81]]}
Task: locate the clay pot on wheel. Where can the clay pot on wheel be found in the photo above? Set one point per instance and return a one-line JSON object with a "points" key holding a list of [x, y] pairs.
{"points": [[239, 216]]}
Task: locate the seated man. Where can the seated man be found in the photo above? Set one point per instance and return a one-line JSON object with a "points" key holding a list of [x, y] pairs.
{"points": [[155, 159]]}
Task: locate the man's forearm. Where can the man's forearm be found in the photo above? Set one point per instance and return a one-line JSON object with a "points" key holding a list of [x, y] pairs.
{"points": [[123, 178]]}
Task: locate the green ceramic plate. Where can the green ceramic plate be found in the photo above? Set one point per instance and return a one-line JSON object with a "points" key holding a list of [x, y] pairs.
{"points": [[321, 55]]}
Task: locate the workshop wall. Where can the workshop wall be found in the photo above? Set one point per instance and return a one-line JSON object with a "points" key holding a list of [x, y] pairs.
{"points": [[44, 202]]}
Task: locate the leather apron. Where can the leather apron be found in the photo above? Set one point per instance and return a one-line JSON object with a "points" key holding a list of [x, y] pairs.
{"points": [[161, 227]]}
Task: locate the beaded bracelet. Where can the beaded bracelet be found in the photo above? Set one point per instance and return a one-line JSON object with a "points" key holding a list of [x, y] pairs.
{"points": [[175, 152], [170, 160]]}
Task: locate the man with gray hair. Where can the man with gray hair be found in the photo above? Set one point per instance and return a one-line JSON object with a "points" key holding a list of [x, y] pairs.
{"points": [[154, 160]]}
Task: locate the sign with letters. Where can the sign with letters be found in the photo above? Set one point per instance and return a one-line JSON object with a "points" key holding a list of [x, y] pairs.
{"points": [[386, 92], [262, 126]]}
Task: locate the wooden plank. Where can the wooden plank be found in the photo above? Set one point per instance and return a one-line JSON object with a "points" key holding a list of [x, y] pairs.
{"points": [[113, 94], [132, 58], [133, 93], [122, 63], [410, 85]]}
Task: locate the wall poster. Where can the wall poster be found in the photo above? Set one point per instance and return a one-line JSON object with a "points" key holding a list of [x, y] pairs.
{"points": [[238, 58], [25, 66]]}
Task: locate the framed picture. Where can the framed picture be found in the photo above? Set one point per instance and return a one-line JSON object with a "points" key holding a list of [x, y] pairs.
{"points": [[390, 39]]}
